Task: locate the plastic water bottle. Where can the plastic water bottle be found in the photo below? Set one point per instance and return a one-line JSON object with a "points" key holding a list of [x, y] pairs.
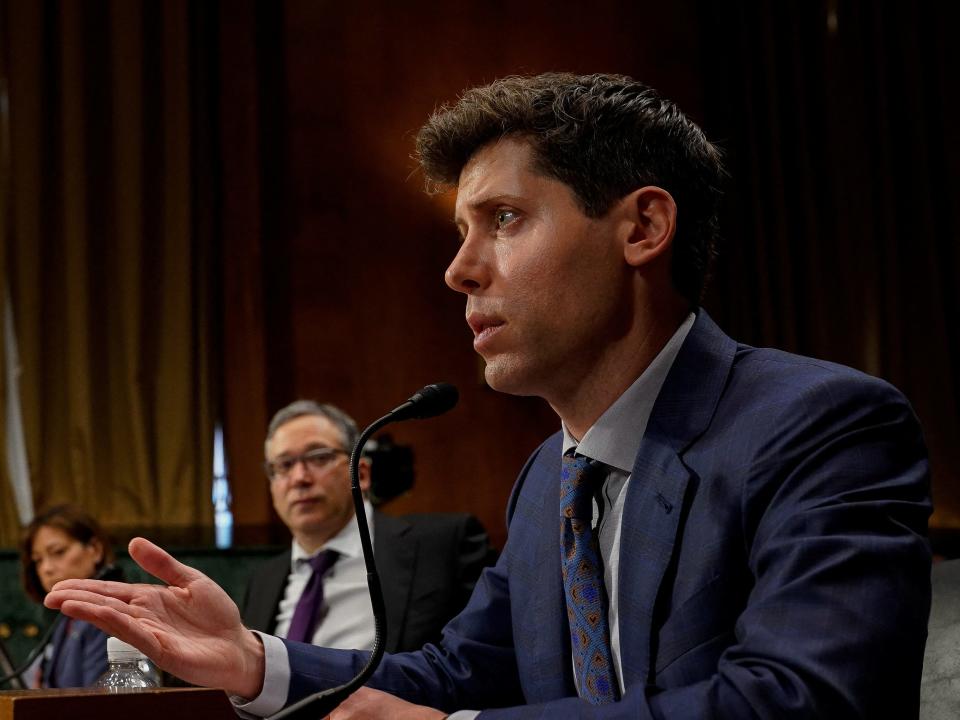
{"points": [[123, 673], [149, 670]]}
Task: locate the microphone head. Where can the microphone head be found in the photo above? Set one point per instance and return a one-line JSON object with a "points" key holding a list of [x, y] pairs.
{"points": [[427, 402]]}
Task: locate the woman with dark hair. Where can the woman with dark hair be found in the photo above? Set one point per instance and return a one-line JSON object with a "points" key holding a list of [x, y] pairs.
{"points": [[66, 543]]}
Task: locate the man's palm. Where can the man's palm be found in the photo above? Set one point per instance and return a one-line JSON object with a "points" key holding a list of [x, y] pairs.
{"points": [[190, 628]]}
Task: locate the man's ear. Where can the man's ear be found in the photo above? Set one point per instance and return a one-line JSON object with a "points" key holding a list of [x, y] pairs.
{"points": [[363, 474], [653, 215]]}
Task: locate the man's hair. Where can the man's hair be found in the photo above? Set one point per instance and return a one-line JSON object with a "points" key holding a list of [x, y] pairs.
{"points": [[603, 136], [304, 408]]}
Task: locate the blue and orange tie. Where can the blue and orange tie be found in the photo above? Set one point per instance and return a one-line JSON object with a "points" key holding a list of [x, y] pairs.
{"points": [[583, 582]]}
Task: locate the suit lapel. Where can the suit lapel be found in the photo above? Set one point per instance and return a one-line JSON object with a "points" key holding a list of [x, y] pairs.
{"points": [[271, 576], [396, 560], [651, 521], [654, 505], [549, 629]]}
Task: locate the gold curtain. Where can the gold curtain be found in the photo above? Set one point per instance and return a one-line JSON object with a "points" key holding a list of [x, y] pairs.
{"points": [[9, 520], [109, 279]]}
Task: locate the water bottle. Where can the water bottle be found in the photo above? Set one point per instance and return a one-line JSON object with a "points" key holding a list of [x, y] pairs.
{"points": [[149, 670], [123, 671]]}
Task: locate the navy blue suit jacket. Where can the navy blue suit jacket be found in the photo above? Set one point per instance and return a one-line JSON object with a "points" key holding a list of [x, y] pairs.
{"points": [[773, 561]]}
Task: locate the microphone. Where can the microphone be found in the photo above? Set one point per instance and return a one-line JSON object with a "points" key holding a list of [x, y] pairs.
{"points": [[15, 673], [427, 402]]}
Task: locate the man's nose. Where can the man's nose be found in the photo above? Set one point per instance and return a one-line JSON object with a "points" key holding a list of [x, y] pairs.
{"points": [[468, 272], [299, 473]]}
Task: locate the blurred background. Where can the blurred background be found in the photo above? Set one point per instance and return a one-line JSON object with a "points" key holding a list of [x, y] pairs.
{"points": [[209, 209]]}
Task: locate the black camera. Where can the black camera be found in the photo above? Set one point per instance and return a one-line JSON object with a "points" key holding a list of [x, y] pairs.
{"points": [[391, 469]]}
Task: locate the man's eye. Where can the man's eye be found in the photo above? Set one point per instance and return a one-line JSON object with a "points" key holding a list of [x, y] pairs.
{"points": [[504, 217], [321, 456]]}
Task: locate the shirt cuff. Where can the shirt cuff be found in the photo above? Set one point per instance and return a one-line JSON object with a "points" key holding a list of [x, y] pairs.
{"points": [[463, 715], [276, 681]]}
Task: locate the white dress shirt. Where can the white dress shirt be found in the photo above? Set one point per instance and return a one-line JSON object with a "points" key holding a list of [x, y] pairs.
{"points": [[348, 622], [347, 615]]}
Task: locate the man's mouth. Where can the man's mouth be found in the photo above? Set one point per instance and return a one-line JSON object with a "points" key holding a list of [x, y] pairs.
{"points": [[484, 328], [480, 322], [300, 502]]}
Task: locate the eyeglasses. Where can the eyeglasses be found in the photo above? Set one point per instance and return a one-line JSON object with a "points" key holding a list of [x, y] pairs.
{"points": [[315, 459]]}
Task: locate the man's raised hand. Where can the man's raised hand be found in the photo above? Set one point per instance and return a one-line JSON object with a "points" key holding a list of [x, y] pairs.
{"points": [[190, 628]]}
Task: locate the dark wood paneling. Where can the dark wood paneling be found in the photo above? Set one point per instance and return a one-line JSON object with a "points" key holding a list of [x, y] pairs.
{"points": [[828, 132], [244, 327], [359, 251]]}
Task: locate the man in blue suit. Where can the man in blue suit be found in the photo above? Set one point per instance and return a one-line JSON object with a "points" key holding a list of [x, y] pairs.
{"points": [[716, 531]]}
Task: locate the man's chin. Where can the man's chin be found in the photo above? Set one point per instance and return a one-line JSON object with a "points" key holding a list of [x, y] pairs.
{"points": [[307, 519], [507, 377]]}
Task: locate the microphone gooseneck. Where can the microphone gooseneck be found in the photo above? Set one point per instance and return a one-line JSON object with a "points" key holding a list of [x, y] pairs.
{"points": [[427, 402]]}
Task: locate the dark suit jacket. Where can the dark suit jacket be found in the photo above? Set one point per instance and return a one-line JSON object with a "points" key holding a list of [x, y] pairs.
{"points": [[773, 561], [79, 656], [428, 565]]}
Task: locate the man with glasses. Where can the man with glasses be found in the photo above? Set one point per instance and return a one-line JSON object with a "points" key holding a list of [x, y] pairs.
{"points": [[317, 591]]}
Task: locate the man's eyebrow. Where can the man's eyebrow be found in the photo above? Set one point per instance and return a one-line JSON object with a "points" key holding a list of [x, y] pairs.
{"points": [[485, 202], [493, 199]]}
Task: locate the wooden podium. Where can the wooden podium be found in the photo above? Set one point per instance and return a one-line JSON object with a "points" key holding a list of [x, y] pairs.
{"points": [[93, 704]]}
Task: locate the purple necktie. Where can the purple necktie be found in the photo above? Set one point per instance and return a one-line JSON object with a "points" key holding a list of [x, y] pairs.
{"points": [[307, 613], [583, 582]]}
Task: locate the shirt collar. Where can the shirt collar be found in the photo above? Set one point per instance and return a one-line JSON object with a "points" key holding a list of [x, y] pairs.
{"points": [[614, 439], [346, 542]]}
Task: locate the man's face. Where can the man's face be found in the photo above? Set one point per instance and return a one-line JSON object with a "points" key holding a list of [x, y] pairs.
{"points": [[544, 282], [314, 502]]}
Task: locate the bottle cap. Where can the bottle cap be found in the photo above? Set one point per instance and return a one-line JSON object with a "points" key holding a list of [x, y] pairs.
{"points": [[119, 651]]}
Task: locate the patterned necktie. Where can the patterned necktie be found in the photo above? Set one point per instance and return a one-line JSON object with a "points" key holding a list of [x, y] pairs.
{"points": [[583, 582], [307, 613]]}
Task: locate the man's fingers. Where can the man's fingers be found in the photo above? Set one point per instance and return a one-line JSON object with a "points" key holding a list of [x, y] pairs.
{"points": [[121, 591], [161, 564], [119, 602], [113, 622]]}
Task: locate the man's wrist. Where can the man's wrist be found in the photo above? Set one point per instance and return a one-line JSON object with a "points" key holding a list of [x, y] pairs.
{"points": [[251, 678]]}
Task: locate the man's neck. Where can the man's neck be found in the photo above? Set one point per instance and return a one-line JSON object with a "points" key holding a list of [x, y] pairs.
{"points": [[312, 542], [625, 360]]}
